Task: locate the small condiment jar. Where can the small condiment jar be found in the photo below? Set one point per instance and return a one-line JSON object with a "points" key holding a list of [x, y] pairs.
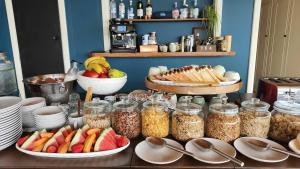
{"points": [[255, 118], [126, 118]]}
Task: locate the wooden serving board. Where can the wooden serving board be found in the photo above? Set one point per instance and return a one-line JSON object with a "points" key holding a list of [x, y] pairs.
{"points": [[195, 90]]}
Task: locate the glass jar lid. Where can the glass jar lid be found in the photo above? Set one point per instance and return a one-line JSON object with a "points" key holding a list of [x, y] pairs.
{"points": [[287, 107], [255, 104], [98, 105], [224, 107], [189, 108], [125, 104]]}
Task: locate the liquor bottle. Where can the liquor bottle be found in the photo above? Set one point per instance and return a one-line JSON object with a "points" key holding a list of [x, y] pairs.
{"points": [[191, 11], [130, 11], [175, 11], [148, 10], [196, 10], [140, 10], [113, 9], [121, 10]]}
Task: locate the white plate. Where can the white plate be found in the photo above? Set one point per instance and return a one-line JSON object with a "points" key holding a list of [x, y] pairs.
{"points": [[210, 156], [8, 102], [293, 146], [11, 142], [9, 120], [8, 113], [13, 137], [74, 155], [158, 156], [229, 83], [11, 129], [268, 156]]}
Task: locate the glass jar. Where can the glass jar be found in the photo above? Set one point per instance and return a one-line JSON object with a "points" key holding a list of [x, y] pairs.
{"points": [[187, 121], [199, 100], [255, 118], [223, 121], [126, 118], [285, 121], [97, 114], [155, 119]]}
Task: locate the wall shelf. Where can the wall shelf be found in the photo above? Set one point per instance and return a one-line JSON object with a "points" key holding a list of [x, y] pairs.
{"points": [[167, 20], [161, 54]]}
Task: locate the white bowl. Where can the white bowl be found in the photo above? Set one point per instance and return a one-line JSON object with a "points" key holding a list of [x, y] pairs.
{"points": [[49, 112], [105, 86], [33, 103]]}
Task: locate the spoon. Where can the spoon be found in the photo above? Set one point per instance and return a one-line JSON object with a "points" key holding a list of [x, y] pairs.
{"points": [[157, 143], [206, 146], [263, 146]]}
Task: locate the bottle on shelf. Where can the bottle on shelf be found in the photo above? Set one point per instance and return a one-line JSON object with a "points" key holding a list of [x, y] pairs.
{"points": [[184, 11], [140, 10], [175, 11], [196, 9], [121, 10], [130, 11], [191, 11], [149, 10], [113, 9]]}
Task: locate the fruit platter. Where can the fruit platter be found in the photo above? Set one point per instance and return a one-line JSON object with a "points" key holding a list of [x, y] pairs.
{"points": [[68, 143], [194, 79], [100, 76]]}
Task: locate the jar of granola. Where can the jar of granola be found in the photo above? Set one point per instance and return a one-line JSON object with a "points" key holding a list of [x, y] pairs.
{"points": [[187, 121], [126, 118], [97, 114], [223, 121], [255, 118], [285, 120], [155, 118]]}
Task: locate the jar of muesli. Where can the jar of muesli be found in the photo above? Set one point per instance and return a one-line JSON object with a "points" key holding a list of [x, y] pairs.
{"points": [[255, 118], [285, 120], [126, 119], [223, 121], [187, 121]]}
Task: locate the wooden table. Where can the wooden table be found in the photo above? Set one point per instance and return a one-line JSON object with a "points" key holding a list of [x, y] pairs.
{"points": [[12, 158]]}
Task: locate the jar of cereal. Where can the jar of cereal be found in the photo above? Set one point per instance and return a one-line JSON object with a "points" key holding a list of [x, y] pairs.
{"points": [[255, 118], [187, 121], [97, 114], [223, 121], [155, 118], [285, 120], [126, 118]]}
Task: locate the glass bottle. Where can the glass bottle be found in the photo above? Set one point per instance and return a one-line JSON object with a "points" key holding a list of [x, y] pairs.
{"points": [[121, 10], [149, 10], [126, 118], [196, 10], [184, 11], [113, 9], [140, 10], [72, 72], [175, 11], [130, 11], [191, 11]]}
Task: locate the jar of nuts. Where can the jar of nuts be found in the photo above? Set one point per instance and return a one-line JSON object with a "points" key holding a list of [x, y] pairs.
{"points": [[187, 121], [97, 114], [255, 118], [223, 121], [126, 118], [155, 118], [285, 120]]}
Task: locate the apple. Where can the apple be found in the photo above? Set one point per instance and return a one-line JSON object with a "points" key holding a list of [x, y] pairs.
{"points": [[104, 70], [91, 73], [103, 75]]}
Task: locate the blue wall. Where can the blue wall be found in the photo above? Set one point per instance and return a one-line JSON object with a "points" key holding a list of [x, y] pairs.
{"points": [[85, 34], [5, 44]]}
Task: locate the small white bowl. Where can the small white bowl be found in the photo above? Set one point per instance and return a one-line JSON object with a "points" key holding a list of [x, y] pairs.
{"points": [[49, 112], [105, 86], [49, 117], [33, 103]]}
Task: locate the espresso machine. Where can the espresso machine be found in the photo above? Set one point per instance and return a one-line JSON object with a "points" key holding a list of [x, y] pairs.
{"points": [[123, 36]]}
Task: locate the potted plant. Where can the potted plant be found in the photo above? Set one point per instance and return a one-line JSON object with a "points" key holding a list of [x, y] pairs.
{"points": [[211, 14]]}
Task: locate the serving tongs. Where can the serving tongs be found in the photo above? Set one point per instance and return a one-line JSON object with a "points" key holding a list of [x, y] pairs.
{"points": [[262, 146]]}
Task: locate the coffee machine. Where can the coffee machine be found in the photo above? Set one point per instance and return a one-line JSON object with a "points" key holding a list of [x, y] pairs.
{"points": [[123, 36]]}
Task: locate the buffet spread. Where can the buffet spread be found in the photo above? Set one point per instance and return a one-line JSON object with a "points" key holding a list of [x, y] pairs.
{"points": [[100, 127]]}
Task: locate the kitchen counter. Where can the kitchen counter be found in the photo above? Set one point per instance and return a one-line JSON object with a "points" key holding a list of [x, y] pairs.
{"points": [[12, 158]]}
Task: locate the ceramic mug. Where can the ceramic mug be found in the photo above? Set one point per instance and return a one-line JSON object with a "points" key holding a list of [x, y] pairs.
{"points": [[172, 47], [163, 48], [75, 120]]}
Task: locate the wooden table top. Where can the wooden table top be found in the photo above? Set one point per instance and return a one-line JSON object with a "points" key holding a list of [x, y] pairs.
{"points": [[12, 158]]}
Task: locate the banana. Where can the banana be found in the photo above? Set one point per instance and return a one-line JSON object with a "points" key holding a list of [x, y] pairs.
{"points": [[103, 63], [94, 58], [96, 67]]}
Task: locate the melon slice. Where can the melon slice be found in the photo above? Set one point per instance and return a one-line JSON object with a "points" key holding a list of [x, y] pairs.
{"points": [[68, 129], [105, 141], [59, 137], [28, 145], [84, 129], [51, 142], [77, 139]]}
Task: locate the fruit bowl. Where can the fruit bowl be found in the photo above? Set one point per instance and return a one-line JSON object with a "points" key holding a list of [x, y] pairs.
{"points": [[101, 86]]}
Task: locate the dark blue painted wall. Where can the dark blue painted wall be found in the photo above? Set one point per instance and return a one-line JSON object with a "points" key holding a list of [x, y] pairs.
{"points": [[85, 34], [5, 43]]}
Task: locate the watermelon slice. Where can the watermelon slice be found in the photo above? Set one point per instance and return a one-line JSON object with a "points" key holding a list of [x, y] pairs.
{"points": [[77, 139], [59, 136], [84, 129], [105, 142], [51, 142], [28, 144], [68, 129]]}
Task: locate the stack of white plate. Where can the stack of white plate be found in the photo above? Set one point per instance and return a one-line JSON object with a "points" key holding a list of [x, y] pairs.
{"points": [[10, 121], [49, 117], [30, 105]]}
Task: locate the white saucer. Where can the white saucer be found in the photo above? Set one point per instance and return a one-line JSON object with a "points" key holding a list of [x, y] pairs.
{"points": [[268, 156], [210, 156], [158, 156], [293, 146]]}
